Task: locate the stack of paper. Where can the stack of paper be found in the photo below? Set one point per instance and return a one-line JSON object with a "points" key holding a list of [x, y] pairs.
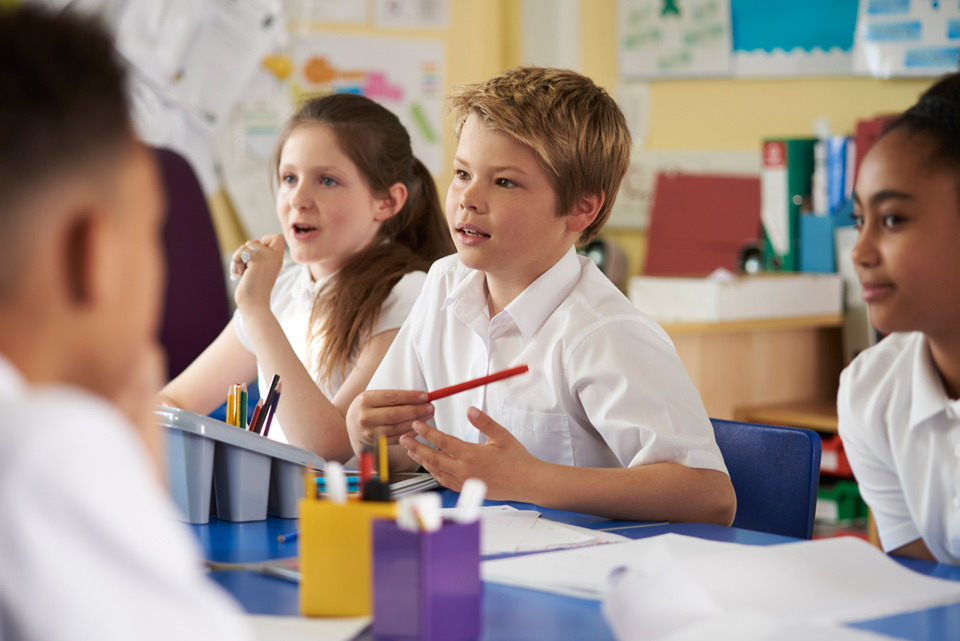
{"points": [[665, 584], [403, 484], [268, 628], [505, 530]]}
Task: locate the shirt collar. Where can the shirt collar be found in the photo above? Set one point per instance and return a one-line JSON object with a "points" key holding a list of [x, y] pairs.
{"points": [[928, 395], [532, 307], [12, 382], [304, 287], [469, 297]]}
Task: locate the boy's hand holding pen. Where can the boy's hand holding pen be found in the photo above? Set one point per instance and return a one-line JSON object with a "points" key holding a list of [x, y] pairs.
{"points": [[392, 413]]}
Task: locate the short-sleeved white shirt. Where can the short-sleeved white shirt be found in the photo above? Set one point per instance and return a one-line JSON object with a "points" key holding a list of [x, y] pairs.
{"points": [[291, 302], [605, 387], [901, 434], [89, 544]]}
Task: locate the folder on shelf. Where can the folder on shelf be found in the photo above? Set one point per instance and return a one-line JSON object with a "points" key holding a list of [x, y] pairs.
{"points": [[785, 192], [699, 222]]}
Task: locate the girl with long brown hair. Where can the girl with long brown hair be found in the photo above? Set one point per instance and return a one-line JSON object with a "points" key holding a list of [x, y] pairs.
{"points": [[362, 220]]}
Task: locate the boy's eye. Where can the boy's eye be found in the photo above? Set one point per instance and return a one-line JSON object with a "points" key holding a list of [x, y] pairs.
{"points": [[891, 221], [506, 182], [327, 181], [288, 179], [858, 221]]}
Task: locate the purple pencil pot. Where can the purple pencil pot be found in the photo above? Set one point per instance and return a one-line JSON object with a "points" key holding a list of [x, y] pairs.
{"points": [[426, 585]]}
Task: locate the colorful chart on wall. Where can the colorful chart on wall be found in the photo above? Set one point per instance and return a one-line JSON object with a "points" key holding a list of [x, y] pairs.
{"points": [[792, 37], [674, 38], [907, 38], [405, 76]]}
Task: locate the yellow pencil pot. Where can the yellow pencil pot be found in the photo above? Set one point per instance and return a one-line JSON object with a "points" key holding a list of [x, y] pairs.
{"points": [[335, 556]]}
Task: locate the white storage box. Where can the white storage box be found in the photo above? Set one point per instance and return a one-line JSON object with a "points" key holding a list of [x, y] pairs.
{"points": [[737, 298]]}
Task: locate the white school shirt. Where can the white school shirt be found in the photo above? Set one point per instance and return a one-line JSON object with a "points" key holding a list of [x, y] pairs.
{"points": [[89, 544], [291, 302], [901, 434], [605, 387]]}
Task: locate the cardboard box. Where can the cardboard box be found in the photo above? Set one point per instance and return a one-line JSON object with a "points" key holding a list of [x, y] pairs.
{"points": [[741, 298]]}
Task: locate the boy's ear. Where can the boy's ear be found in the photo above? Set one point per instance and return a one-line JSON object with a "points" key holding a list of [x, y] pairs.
{"points": [[393, 203], [82, 265], [585, 212]]}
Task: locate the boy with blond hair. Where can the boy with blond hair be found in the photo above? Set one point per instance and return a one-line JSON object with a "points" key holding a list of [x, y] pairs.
{"points": [[89, 545], [607, 421]]}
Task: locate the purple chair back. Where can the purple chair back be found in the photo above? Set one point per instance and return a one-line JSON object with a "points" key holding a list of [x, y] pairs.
{"points": [[196, 307]]}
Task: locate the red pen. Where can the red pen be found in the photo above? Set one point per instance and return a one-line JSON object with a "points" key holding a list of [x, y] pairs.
{"points": [[366, 467], [477, 382]]}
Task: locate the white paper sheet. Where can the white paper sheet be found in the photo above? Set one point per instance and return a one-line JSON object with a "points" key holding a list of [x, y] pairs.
{"points": [[412, 14], [550, 535], [752, 626], [269, 628], [502, 528], [903, 38], [505, 530], [667, 38], [828, 581], [585, 572]]}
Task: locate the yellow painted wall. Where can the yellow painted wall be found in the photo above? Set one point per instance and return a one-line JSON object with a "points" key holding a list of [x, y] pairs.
{"points": [[482, 40], [736, 113]]}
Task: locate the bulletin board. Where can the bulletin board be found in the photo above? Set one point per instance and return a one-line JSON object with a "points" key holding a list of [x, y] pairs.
{"points": [[882, 38], [793, 37]]}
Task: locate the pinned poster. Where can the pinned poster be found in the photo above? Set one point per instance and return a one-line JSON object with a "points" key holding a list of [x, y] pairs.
{"points": [[674, 38], [919, 38], [793, 37], [413, 14], [341, 11], [405, 76]]}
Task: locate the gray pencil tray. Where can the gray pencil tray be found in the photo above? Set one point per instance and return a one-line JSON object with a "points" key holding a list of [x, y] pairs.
{"points": [[238, 475]]}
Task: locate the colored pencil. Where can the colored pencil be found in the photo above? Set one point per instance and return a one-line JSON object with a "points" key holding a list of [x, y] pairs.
{"points": [[291, 536], [477, 382], [256, 413], [242, 407], [384, 459], [231, 405], [266, 404], [273, 409]]}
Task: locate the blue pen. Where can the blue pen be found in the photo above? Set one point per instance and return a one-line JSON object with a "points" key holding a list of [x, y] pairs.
{"points": [[286, 538]]}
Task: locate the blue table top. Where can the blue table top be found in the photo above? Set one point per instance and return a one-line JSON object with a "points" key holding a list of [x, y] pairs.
{"points": [[519, 614]]}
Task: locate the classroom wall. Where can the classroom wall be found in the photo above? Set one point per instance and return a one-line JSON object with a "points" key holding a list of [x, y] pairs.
{"points": [[482, 40], [487, 37], [733, 114]]}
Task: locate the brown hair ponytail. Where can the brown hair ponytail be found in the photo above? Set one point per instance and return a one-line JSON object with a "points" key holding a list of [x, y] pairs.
{"points": [[346, 309]]}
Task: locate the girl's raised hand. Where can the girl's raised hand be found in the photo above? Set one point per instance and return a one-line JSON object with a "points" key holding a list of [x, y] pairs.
{"points": [[257, 263]]}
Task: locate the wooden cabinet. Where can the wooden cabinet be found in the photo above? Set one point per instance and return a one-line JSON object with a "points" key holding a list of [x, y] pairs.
{"points": [[761, 363]]}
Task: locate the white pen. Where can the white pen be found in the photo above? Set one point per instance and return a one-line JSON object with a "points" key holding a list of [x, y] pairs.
{"points": [[426, 510], [336, 482], [471, 498], [406, 519], [237, 268]]}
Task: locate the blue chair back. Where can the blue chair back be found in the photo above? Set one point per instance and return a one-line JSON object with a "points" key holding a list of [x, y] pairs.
{"points": [[775, 472]]}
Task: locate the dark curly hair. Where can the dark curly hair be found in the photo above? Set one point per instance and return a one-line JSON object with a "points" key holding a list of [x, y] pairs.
{"points": [[936, 116]]}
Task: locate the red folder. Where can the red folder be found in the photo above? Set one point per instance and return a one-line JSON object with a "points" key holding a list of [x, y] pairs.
{"points": [[699, 222]]}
